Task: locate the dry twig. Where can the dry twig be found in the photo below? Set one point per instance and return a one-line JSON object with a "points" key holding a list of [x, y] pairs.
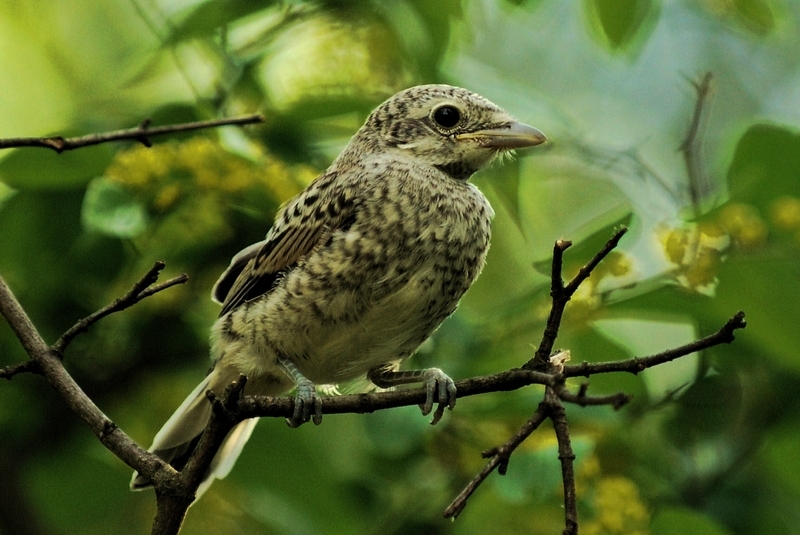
{"points": [[141, 133]]}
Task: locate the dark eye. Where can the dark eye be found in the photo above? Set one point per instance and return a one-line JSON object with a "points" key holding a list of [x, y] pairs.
{"points": [[447, 116]]}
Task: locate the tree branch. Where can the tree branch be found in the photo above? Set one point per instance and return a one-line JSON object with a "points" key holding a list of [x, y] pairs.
{"points": [[141, 133], [142, 289], [562, 294], [50, 366], [637, 364], [556, 391], [175, 491], [617, 400], [558, 415], [498, 458], [8, 372]]}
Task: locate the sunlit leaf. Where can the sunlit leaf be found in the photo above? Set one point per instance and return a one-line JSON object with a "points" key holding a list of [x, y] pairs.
{"points": [[766, 165], [110, 209], [211, 15], [622, 21], [756, 15]]}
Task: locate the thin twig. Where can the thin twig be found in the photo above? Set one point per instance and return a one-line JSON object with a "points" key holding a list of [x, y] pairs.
{"points": [[141, 133], [51, 367], [586, 270], [28, 366], [142, 289], [561, 295], [617, 400], [498, 458], [635, 365], [691, 145]]}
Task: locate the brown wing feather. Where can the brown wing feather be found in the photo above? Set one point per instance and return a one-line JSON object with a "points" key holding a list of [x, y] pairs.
{"points": [[306, 222], [260, 273]]}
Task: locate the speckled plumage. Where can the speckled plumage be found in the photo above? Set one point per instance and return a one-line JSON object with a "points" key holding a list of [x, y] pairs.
{"points": [[360, 268]]}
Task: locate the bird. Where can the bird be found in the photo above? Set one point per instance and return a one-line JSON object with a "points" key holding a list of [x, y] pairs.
{"points": [[358, 269]]}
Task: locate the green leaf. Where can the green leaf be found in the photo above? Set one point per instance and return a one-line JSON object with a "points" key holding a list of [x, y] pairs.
{"points": [[204, 20], [43, 169], [706, 409], [537, 473], [622, 21], [756, 15], [765, 165], [672, 520], [780, 459], [766, 289], [585, 249], [111, 210]]}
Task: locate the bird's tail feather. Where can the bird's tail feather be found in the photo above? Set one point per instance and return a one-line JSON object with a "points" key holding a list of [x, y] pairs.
{"points": [[179, 435]]}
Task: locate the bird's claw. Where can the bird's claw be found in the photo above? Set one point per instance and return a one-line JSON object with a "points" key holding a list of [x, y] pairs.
{"points": [[441, 389], [306, 404]]}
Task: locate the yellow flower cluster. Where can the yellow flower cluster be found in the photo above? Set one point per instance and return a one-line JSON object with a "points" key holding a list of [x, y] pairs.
{"points": [[164, 173], [744, 225], [698, 249], [618, 509]]}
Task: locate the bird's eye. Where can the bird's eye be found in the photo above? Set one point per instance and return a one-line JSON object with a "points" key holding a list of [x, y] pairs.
{"points": [[447, 116]]}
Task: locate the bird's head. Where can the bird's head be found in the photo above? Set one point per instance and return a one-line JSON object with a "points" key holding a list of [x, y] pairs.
{"points": [[450, 128]]}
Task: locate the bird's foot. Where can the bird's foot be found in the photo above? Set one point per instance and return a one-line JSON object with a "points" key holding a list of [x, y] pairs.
{"points": [[439, 388], [306, 401], [307, 405]]}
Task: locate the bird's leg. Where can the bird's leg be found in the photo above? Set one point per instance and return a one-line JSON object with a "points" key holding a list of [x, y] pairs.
{"points": [[438, 386], [306, 398]]}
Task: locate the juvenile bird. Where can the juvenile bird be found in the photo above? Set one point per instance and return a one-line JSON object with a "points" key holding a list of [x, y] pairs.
{"points": [[357, 270]]}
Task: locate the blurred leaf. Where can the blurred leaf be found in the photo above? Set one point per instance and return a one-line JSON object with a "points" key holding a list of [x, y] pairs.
{"points": [[766, 289], [32, 168], [765, 165], [781, 459], [672, 520], [424, 29], [706, 409], [757, 15], [110, 209], [537, 474], [621, 20], [345, 54], [206, 18], [175, 113]]}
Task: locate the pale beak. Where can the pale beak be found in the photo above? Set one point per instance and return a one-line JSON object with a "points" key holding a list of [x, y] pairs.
{"points": [[514, 136]]}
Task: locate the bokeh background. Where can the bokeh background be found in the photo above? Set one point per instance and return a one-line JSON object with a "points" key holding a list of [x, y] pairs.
{"points": [[709, 444]]}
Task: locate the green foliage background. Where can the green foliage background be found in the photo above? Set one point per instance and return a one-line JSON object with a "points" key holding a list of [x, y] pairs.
{"points": [[709, 444]]}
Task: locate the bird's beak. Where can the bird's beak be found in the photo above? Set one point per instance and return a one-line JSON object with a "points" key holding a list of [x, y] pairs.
{"points": [[514, 136]]}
